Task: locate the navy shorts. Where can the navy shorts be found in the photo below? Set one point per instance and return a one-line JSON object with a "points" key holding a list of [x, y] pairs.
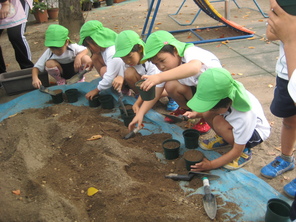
{"points": [[282, 104], [254, 140], [68, 70]]}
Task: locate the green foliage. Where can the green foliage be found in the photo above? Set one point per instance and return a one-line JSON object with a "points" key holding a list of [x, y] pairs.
{"points": [[39, 5]]}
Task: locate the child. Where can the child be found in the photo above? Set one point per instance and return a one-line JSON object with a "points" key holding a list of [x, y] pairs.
{"points": [[283, 105], [101, 43], [130, 48], [181, 64], [233, 113], [62, 59]]}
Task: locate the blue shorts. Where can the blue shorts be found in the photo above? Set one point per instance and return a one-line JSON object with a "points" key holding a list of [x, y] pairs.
{"points": [[254, 140], [282, 104]]}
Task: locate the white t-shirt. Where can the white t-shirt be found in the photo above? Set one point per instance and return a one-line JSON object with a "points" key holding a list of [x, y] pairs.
{"points": [[147, 68], [208, 59], [244, 123], [281, 64], [115, 67], [67, 57]]}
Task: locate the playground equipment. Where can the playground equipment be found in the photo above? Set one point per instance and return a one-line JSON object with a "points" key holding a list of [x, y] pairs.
{"points": [[207, 8]]}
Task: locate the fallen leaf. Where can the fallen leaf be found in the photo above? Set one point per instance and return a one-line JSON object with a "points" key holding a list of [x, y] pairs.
{"points": [[278, 148], [251, 47], [271, 123], [156, 28], [252, 38], [270, 85], [16, 192], [92, 191], [240, 74], [286, 178], [95, 137], [218, 45], [158, 23]]}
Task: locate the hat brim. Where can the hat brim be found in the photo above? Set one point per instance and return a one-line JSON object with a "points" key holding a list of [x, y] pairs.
{"points": [[122, 53], [151, 54], [199, 105], [54, 43]]}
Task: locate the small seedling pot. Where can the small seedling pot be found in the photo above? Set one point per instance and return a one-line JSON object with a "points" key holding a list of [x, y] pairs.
{"points": [[95, 102], [145, 95], [288, 5], [106, 101], [72, 95], [277, 211], [58, 98], [127, 118], [191, 137], [192, 157], [171, 148]]}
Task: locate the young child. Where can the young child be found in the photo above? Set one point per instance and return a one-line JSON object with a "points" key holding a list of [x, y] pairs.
{"points": [[130, 48], [181, 64], [62, 59], [282, 104], [101, 43], [233, 113]]}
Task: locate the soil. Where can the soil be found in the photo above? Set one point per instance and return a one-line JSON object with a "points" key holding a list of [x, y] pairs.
{"points": [[47, 162], [193, 155], [171, 144]]}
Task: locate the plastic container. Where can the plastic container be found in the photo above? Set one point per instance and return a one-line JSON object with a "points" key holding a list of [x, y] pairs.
{"points": [[192, 157], [145, 95], [171, 148], [95, 102], [106, 101], [127, 118], [72, 95], [191, 137], [58, 98], [277, 211], [288, 5]]}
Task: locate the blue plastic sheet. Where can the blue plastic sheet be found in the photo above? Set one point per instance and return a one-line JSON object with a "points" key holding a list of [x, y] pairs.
{"points": [[241, 187]]}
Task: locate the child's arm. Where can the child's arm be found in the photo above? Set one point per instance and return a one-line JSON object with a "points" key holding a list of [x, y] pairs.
{"points": [[92, 93], [226, 158], [137, 104], [78, 59], [183, 71], [35, 80]]}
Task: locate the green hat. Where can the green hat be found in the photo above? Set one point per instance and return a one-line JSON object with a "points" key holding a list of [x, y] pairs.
{"points": [[125, 42], [56, 36], [103, 36], [215, 84], [159, 39]]}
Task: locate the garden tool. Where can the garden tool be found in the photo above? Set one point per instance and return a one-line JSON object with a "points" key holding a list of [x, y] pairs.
{"points": [[176, 118], [46, 90], [190, 175], [121, 103], [133, 133], [77, 77], [209, 200]]}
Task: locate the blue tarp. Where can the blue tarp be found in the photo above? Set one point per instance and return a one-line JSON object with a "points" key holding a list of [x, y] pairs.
{"points": [[241, 187]]}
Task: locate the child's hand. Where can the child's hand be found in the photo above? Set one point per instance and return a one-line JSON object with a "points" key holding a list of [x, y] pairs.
{"points": [[91, 94], [4, 11], [117, 83], [191, 114], [204, 165], [36, 83], [77, 64], [137, 120], [151, 80]]}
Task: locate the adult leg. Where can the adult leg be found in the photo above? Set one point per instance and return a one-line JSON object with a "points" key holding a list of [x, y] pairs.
{"points": [[2, 63]]}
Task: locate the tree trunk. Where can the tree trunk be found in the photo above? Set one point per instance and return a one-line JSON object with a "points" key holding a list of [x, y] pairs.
{"points": [[71, 16]]}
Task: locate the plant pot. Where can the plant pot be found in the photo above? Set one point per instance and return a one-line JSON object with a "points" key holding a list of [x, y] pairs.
{"points": [[106, 101], [145, 95], [41, 16], [95, 102], [86, 6], [53, 13], [192, 157], [277, 211], [288, 5], [171, 149], [191, 138], [127, 118], [118, 1], [109, 2], [58, 98], [97, 4], [72, 95]]}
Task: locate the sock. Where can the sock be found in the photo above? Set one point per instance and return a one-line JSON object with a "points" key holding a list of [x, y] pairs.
{"points": [[55, 73], [287, 158]]}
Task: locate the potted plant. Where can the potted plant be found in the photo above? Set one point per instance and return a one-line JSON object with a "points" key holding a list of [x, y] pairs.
{"points": [[86, 5], [53, 9], [96, 4], [39, 10]]}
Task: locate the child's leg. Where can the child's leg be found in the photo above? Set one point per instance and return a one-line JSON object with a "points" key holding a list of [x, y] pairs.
{"points": [[131, 76], [180, 93], [288, 135], [99, 64], [54, 69]]}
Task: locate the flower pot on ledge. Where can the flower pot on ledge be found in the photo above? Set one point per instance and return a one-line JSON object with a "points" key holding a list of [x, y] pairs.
{"points": [[41, 16], [53, 13]]}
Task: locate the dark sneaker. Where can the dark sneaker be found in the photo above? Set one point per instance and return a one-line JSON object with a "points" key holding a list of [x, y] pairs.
{"points": [[242, 160], [277, 167], [202, 126], [290, 188]]}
